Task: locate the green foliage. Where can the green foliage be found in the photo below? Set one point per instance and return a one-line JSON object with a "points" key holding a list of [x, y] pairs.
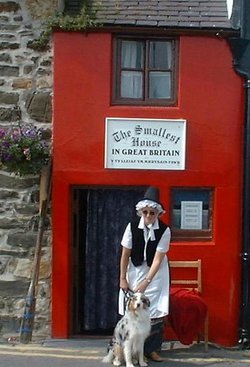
{"points": [[82, 21]]}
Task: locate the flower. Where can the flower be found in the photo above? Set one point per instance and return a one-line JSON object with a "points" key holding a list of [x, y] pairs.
{"points": [[23, 149]]}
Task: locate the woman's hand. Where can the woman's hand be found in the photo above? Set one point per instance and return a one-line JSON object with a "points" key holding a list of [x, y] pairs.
{"points": [[141, 287], [124, 284]]}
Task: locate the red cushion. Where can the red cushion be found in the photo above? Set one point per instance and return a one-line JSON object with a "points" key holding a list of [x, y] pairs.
{"points": [[186, 314]]}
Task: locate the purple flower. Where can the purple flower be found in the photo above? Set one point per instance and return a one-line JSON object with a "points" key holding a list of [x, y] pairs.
{"points": [[5, 145], [15, 135], [2, 133], [29, 132], [7, 156]]}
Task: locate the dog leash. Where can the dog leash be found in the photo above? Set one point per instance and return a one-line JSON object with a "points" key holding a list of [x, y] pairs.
{"points": [[127, 294]]}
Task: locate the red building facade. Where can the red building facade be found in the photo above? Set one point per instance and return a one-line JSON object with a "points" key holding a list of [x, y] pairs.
{"points": [[210, 100]]}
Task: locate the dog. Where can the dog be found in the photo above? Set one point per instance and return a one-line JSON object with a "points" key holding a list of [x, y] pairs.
{"points": [[130, 333]]}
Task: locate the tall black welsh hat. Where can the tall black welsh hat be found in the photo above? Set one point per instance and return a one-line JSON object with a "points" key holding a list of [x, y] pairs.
{"points": [[152, 194]]}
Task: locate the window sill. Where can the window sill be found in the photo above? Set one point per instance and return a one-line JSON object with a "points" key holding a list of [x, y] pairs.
{"points": [[191, 242]]}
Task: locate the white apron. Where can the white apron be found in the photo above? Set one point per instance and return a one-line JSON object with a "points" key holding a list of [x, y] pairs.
{"points": [[158, 289]]}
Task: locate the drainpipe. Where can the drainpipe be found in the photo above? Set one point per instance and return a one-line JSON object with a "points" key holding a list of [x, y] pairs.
{"points": [[244, 334], [241, 53]]}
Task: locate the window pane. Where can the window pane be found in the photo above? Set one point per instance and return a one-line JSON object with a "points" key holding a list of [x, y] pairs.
{"points": [[190, 196], [159, 85], [132, 55], [131, 84], [160, 55]]}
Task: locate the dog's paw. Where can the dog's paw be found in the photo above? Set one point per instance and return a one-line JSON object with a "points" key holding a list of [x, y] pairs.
{"points": [[106, 360], [116, 363], [143, 364]]}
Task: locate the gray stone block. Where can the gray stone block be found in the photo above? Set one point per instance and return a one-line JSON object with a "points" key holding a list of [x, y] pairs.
{"points": [[39, 106], [9, 98], [6, 70]]}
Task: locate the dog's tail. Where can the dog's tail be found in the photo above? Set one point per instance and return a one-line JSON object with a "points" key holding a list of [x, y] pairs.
{"points": [[109, 357]]}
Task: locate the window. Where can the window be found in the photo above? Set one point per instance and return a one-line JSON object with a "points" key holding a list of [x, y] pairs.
{"points": [[144, 71], [191, 214]]}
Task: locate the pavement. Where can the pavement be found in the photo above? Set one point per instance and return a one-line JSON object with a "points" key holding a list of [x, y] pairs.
{"points": [[89, 352]]}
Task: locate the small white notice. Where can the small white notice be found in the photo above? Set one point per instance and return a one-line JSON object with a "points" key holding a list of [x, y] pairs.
{"points": [[191, 215]]}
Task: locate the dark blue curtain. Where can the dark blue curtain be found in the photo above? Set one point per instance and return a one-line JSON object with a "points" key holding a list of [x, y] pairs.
{"points": [[108, 212]]}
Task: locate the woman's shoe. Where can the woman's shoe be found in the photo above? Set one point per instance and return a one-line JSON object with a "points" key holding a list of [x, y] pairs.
{"points": [[155, 357]]}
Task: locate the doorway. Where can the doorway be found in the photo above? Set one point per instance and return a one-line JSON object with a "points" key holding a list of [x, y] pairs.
{"points": [[99, 218]]}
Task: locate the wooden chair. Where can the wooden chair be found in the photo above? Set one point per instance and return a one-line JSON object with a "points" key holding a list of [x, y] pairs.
{"points": [[191, 281]]}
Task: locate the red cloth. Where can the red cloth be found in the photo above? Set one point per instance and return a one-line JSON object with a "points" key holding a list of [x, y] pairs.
{"points": [[186, 314]]}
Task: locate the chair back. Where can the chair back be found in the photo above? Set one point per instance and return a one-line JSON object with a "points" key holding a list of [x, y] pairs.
{"points": [[190, 275]]}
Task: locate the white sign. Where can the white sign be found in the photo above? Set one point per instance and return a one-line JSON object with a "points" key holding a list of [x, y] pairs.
{"points": [[191, 215], [145, 144]]}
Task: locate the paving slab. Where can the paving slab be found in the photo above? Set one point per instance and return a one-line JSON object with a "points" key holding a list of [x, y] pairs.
{"points": [[89, 353]]}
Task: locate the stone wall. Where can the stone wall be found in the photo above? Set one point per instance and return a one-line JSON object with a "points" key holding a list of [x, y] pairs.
{"points": [[25, 94]]}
